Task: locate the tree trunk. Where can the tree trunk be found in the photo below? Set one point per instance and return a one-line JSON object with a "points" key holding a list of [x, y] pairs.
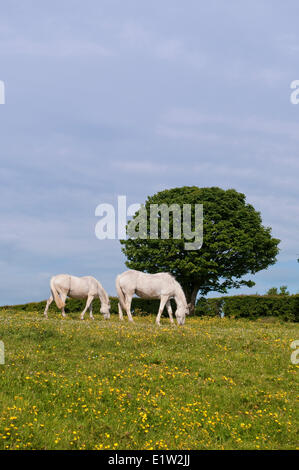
{"points": [[191, 299]]}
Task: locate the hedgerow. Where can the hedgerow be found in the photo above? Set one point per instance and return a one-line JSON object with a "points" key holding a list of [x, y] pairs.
{"points": [[238, 306], [251, 306]]}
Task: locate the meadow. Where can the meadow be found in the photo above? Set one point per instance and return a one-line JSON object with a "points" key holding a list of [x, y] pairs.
{"points": [[212, 384]]}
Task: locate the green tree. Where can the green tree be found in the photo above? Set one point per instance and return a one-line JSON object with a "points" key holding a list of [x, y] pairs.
{"points": [[272, 291], [283, 290], [235, 243]]}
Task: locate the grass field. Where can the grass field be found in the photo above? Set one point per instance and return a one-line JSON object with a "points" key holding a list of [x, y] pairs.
{"points": [[212, 384]]}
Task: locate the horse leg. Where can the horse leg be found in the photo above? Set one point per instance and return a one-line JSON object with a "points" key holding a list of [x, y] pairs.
{"points": [[88, 302], [161, 308], [128, 308], [49, 301], [120, 312], [169, 310], [90, 311], [63, 297]]}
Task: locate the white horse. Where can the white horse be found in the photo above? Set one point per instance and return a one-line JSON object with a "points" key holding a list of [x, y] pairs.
{"points": [[161, 286], [87, 287]]}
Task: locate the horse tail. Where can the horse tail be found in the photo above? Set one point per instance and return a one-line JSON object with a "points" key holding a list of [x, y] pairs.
{"points": [[58, 301], [120, 293]]}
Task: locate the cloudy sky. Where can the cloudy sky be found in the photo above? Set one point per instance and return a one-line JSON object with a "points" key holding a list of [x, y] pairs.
{"points": [[130, 97]]}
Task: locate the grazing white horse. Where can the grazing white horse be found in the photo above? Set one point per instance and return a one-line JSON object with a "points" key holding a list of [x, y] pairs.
{"points": [[87, 287], [161, 286]]}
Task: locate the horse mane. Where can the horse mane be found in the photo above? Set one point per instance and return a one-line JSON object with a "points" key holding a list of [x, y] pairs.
{"points": [[179, 286], [103, 292]]}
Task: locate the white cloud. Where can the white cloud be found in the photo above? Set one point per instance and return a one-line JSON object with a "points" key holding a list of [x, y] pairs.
{"points": [[139, 166], [188, 122], [136, 37], [56, 48]]}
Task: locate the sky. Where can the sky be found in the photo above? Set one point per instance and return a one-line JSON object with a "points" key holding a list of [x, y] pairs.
{"points": [[129, 98]]}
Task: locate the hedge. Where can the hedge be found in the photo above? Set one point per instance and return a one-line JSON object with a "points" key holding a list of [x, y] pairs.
{"points": [[251, 306], [238, 306], [139, 306]]}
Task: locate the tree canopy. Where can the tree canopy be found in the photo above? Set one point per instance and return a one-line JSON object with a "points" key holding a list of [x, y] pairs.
{"points": [[235, 243]]}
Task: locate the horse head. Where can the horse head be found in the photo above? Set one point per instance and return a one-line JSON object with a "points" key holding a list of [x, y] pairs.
{"points": [[180, 314], [105, 310]]}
